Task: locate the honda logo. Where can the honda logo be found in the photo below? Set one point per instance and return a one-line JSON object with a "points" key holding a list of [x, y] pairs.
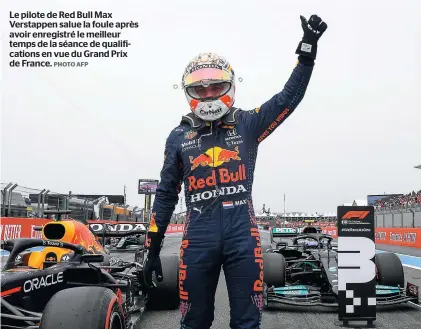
{"points": [[232, 132]]}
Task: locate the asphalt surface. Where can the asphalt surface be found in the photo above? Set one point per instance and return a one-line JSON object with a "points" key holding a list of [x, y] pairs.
{"points": [[402, 317], [400, 250]]}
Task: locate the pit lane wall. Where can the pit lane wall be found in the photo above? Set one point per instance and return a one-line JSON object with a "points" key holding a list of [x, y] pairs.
{"points": [[402, 237], [14, 228]]}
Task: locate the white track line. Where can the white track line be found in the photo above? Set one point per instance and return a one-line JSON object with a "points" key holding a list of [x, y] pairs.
{"points": [[414, 267]]}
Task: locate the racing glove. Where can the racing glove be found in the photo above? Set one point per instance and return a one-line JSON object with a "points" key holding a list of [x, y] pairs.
{"points": [[313, 30], [152, 262]]}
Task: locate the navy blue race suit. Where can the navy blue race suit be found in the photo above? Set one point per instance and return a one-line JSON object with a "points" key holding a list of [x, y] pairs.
{"points": [[216, 162]]}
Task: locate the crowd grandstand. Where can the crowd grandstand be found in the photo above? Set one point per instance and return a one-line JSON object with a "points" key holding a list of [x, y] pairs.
{"points": [[399, 201]]}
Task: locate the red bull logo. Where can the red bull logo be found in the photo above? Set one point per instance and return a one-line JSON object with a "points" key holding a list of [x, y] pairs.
{"points": [[182, 272], [202, 160], [258, 258], [214, 157], [225, 176]]}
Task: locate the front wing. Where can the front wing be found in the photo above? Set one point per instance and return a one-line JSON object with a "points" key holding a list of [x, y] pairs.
{"points": [[301, 295]]}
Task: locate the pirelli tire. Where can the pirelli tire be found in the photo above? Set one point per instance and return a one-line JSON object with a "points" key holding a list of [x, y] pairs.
{"points": [[274, 269], [389, 270], [166, 294], [82, 308], [142, 240]]}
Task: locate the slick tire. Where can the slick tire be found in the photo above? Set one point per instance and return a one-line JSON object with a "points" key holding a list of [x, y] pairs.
{"points": [[83, 308], [142, 240], [389, 270], [274, 269], [166, 295]]}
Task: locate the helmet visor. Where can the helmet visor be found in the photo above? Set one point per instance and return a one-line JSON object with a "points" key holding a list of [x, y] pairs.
{"points": [[207, 74], [211, 91]]}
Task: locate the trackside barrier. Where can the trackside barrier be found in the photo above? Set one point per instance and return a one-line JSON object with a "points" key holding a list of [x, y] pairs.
{"points": [[14, 227], [402, 237]]}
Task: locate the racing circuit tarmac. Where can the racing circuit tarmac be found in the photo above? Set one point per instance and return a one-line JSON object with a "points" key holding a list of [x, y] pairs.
{"points": [[392, 317]]}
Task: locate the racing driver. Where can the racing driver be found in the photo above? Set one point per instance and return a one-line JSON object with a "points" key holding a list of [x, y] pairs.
{"points": [[213, 152]]}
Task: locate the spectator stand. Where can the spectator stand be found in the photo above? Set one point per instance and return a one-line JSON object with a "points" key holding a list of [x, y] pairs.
{"points": [[399, 211]]}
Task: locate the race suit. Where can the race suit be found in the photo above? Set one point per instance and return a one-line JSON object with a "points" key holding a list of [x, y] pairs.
{"points": [[216, 162]]}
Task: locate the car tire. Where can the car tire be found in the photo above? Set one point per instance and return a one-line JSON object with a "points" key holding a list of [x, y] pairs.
{"points": [[82, 308], [165, 296], [274, 269], [142, 240], [389, 270]]}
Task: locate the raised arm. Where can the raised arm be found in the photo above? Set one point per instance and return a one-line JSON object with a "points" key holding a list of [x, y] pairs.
{"points": [[262, 121]]}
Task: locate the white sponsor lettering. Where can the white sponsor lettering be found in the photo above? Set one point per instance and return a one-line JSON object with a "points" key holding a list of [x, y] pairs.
{"points": [[11, 231], [232, 138], [42, 282], [189, 143], [210, 111], [35, 234], [240, 202], [184, 149], [410, 237], [234, 143], [284, 230], [52, 243], [395, 237], [225, 190], [122, 228]]}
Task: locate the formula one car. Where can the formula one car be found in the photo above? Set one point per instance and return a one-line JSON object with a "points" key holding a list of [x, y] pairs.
{"points": [[305, 273], [283, 236], [74, 283]]}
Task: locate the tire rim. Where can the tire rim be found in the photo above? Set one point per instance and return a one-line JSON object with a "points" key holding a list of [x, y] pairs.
{"points": [[116, 322]]}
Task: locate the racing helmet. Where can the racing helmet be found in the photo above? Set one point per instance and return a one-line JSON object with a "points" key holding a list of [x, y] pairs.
{"points": [[209, 85]]}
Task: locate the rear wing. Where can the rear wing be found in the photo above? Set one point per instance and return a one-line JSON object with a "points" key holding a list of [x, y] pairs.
{"points": [[284, 232], [118, 229]]}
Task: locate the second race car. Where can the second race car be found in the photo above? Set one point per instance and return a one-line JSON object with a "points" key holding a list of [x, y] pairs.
{"points": [[302, 270]]}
